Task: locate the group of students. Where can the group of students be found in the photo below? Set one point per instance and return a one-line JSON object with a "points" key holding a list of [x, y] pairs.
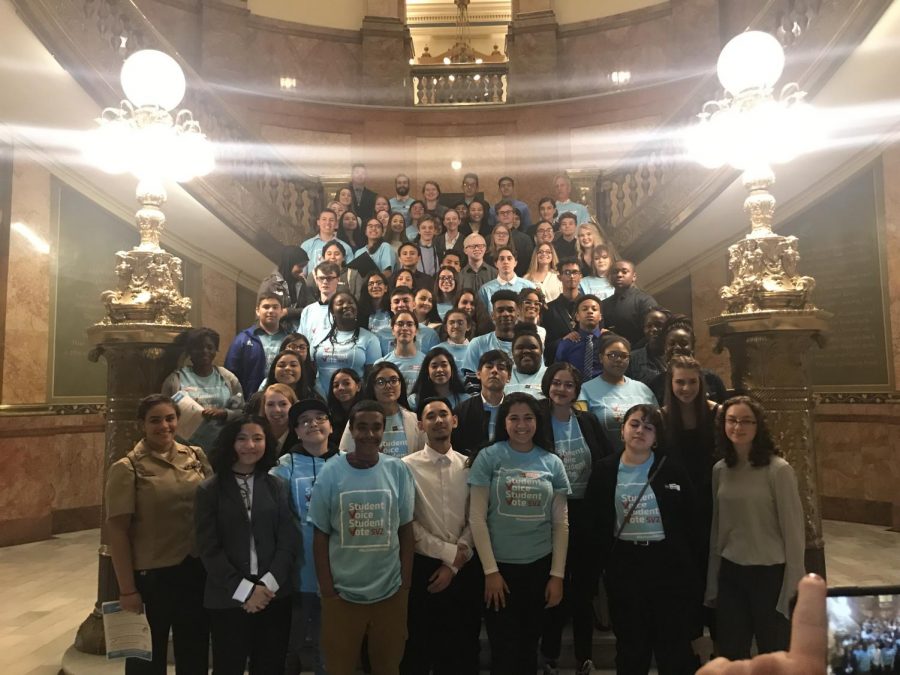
{"points": [[870, 649], [408, 451]]}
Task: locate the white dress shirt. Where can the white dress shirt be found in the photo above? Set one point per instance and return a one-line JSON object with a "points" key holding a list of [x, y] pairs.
{"points": [[245, 588], [440, 520]]}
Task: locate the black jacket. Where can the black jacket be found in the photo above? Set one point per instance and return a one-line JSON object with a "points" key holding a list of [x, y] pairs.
{"points": [[557, 319], [677, 506], [624, 311], [223, 536], [471, 432], [365, 207], [590, 428]]}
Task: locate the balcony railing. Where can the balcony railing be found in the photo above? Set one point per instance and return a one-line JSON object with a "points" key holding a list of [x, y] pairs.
{"points": [[460, 84]]}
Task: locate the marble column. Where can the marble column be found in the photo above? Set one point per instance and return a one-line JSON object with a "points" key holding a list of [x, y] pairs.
{"points": [[532, 50], [138, 358], [769, 361], [386, 50]]}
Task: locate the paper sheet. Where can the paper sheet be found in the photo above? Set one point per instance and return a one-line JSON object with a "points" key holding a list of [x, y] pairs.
{"points": [[127, 633], [191, 414]]}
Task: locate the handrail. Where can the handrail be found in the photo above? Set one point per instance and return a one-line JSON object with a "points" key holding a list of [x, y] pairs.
{"points": [[460, 83], [254, 191]]}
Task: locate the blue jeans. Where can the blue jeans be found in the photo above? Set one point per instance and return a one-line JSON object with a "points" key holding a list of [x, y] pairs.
{"points": [[306, 625]]}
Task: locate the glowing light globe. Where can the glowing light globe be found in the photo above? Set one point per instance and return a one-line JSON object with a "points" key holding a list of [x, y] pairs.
{"points": [[752, 60], [151, 77]]}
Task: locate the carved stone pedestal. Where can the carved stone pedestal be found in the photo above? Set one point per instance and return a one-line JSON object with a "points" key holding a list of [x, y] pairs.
{"points": [[138, 357], [768, 353]]}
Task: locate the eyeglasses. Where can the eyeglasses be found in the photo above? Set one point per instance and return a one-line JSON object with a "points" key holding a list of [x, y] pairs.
{"points": [[445, 278], [375, 284], [571, 273], [330, 277], [505, 212], [735, 422], [318, 419], [549, 253], [561, 384], [618, 356], [476, 247], [387, 381]]}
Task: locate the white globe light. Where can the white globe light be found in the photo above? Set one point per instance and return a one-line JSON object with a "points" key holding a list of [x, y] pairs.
{"points": [[751, 60], [109, 147], [151, 77]]}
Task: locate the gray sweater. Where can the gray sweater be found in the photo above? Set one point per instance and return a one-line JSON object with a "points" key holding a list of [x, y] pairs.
{"points": [[757, 520]]}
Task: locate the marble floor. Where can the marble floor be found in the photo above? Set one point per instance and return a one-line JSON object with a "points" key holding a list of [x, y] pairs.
{"points": [[49, 587]]}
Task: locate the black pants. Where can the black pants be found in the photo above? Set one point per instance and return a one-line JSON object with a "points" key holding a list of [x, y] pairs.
{"points": [[514, 630], [444, 628], [578, 596], [745, 608], [260, 638], [173, 597], [648, 599]]}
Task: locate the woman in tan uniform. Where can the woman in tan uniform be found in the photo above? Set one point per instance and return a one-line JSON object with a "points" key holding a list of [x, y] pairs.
{"points": [[150, 524]]}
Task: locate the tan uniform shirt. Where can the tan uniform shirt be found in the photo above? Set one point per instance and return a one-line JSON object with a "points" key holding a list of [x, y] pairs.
{"points": [[158, 491]]}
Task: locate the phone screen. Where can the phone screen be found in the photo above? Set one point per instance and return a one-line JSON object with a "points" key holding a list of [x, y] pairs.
{"points": [[863, 630]]}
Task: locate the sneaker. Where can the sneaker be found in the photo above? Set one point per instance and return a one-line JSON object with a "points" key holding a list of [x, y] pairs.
{"points": [[586, 668]]}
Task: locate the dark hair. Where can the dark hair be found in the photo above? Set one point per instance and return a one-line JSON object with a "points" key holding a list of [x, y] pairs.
{"points": [[653, 415], [147, 403], [453, 252], [541, 439], [410, 312], [369, 391], [608, 339], [480, 322], [763, 446], [334, 243], [504, 294], [525, 329], [194, 338], [484, 207], [430, 400], [269, 294], [303, 387], [454, 310], [493, 355], [549, 200], [437, 293], [366, 405], [306, 363], [409, 244], [330, 210], [582, 298], [567, 261], [503, 178], [413, 203], [702, 413], [329, 267], [567, 215], [432, 316], [470, 175], [431, 182], [367, 306], [333, 404], [551, 372], [222, 457], [331, 336], [424, 388], [678, 322]]}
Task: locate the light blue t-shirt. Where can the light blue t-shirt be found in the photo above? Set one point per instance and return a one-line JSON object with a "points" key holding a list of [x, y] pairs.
{"points": [[443, 308], [580, 210], [480, 345], [412, 231], [401, 206], [645, 523], [494, 285], [385, 257], [598, 286], [315, 322], [343, 352], [380, 327], [301, 473], [574, 453], [610, 402], [211, 391], [426, 338], [361, 511], [522, 485], [529, 384], [458, 352], [270, 345], [409, 366], [395, 443]]}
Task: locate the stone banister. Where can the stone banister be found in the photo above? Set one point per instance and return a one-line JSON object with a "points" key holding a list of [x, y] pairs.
{"points": [[254, 191]]}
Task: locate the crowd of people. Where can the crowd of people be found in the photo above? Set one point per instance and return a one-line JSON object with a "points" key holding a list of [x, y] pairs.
{"points": [[872, 648], [446, 415]]}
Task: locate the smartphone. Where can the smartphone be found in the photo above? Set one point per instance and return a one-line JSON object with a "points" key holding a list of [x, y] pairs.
{"points": [[863, 630]]}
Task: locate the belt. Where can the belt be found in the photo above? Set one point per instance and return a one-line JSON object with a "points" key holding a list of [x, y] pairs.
{"points": [[642, 543]]}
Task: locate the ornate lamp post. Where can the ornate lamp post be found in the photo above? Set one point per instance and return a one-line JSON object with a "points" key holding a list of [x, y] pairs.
{"points": [[769, 322], [146, 311]]}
